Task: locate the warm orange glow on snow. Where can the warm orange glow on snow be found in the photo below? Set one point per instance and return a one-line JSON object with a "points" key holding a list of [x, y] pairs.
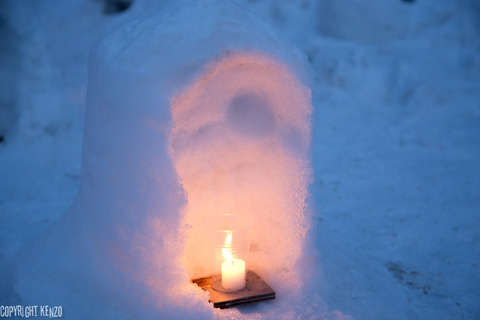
{"points": [[239, 144]]}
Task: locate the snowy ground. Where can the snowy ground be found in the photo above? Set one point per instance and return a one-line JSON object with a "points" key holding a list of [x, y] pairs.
{"points": [[396, 140]]}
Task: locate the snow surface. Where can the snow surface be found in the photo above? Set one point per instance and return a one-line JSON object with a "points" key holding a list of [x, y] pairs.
{"points": [[396, 146]]}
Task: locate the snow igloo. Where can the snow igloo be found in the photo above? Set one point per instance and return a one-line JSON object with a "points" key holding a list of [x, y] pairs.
{"points": [[193, 109]]}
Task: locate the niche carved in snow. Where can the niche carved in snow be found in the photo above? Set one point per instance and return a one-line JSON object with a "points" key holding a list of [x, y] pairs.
{"points": [[240, 142]]}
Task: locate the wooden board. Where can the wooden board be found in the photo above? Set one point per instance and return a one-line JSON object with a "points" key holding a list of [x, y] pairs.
{"points": [[255, 290]]}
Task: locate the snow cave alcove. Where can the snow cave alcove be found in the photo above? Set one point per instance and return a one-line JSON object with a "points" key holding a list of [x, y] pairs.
{"points": [[193, 109]]}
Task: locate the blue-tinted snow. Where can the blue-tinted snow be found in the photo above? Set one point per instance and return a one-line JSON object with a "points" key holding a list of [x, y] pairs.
{"points": [[396, 142]]}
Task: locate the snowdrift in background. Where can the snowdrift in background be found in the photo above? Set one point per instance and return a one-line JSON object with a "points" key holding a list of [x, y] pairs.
{"points": [[194, 109]]}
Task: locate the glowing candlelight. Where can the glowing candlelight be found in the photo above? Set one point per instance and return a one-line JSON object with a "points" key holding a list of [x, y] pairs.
{"points": [[233, 270], [233, 274]]}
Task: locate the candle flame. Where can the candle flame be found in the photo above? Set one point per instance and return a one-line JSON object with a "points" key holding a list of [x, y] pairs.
{"points": [[226, 250]]}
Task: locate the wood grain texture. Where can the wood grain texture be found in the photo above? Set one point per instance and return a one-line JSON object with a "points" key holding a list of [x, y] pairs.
{"points": [[255, 290]]}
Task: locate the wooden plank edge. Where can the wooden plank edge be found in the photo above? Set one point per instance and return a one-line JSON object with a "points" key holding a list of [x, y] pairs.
{"points": [[236, 302]]}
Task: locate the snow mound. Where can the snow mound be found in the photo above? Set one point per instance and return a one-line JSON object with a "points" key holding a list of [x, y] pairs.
{"points": [[193, 109]]}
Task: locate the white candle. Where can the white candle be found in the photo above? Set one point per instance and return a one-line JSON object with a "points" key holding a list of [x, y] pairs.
{"points": [[233, 274]]}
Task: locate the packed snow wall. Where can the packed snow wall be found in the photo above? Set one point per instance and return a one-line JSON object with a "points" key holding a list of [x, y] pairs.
{"points": [[240, 144], [193, 109]]}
